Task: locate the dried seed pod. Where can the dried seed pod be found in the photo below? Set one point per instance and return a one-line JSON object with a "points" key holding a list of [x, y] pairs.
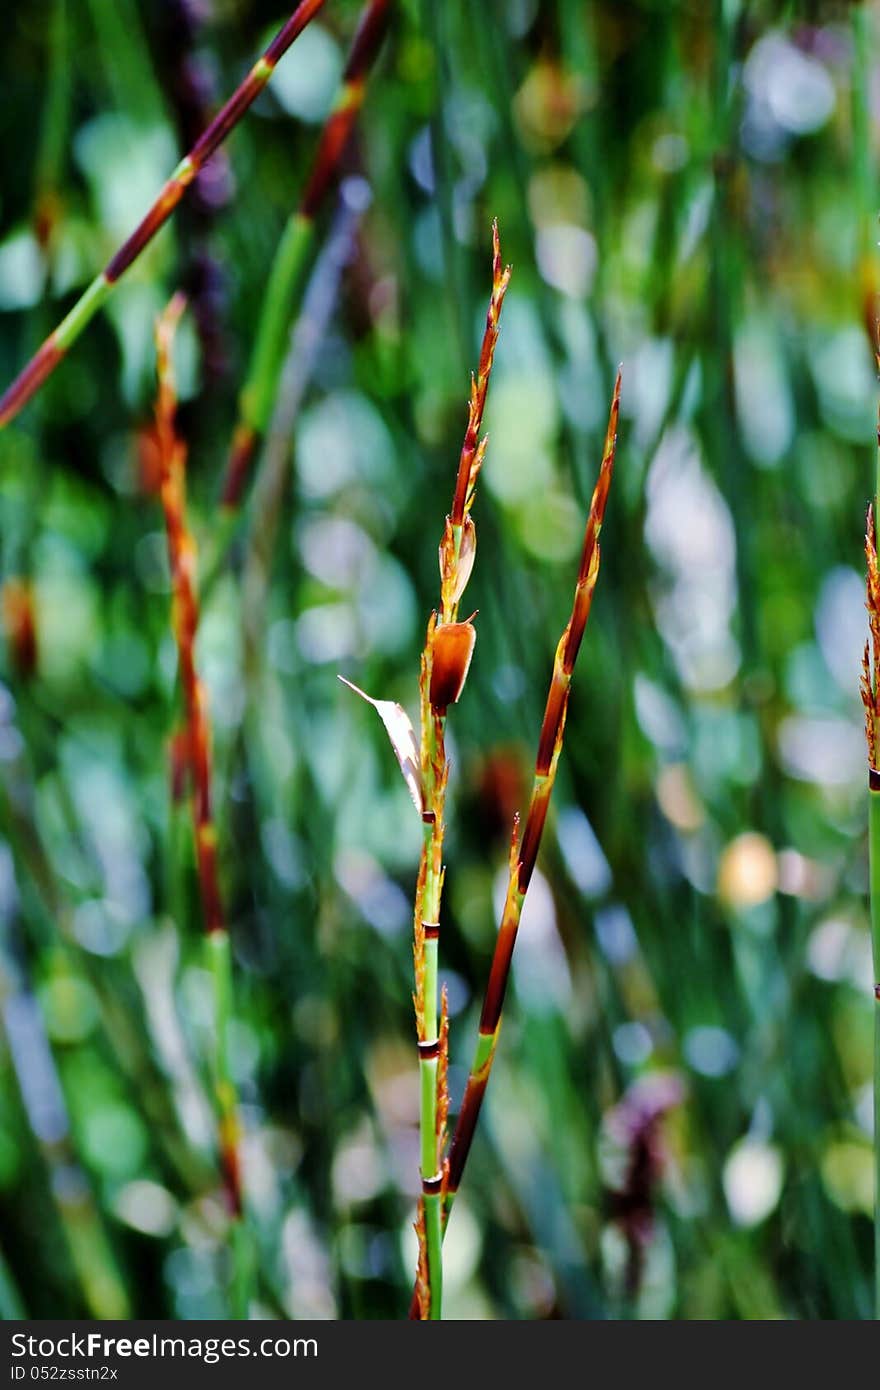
{"points": [[451, 653], [20, 625], [148, 456]]}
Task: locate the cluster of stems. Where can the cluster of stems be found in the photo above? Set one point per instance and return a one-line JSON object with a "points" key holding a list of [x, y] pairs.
{"points": [[60, 341], [195, 742], [294, 249], [870, 692], [524, 849]]}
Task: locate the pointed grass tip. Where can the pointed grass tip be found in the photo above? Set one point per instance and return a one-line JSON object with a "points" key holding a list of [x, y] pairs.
{"points": [[497, 272]]}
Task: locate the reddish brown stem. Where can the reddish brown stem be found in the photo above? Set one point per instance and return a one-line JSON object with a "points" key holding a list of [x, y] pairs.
{"points": [[260, 388], [480, 383], [182, 560], [57, 344]]}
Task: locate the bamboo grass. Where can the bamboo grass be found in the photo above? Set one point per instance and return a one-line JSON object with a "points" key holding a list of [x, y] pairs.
{"points": [[874, 851], [190, 86], [444, 666], [53, 136], [182, 559], [11, 1305], [874, 846], [294, 249], [524, 851], [61, 340], [267, 496]]}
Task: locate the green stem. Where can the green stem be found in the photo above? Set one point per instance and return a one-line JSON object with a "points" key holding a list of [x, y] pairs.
{"points": [[434, 1237], [431, 991], [861, 125], [294, 250], [122, 43], [220, 964], [876, 1144], [56, 117], [48, 356]]}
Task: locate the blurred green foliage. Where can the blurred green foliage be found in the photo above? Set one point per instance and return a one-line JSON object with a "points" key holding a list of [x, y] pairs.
{"points": [[679, 1120]]}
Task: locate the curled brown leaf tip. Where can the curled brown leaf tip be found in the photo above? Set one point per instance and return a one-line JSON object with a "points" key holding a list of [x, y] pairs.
{"points": [[185, 611]]}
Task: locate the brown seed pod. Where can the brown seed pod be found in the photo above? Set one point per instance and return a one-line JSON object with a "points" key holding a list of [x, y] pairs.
{"points": [[451, 653], [180, 759], [456, 573]]}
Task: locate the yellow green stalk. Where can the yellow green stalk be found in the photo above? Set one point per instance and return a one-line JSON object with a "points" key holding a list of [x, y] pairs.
{"points": [[56, 346]]}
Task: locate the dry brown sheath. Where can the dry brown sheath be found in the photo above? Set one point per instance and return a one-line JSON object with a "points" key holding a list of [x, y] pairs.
{"points": [[480, 384], [18, 606], [181, 556]]}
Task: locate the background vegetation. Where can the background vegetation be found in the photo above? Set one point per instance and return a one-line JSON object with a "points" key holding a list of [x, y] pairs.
{"points": [[679, 1120]]}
